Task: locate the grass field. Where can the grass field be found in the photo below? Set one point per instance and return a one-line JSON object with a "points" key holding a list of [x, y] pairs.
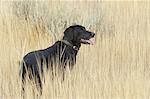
{"points": [[116, 67]]}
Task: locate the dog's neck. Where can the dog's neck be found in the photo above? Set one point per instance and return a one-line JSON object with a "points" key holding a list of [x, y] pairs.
{"points": [[70, 44]]}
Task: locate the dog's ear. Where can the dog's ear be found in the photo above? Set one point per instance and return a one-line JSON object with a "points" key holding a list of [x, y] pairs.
{"points": [[68, 34]]}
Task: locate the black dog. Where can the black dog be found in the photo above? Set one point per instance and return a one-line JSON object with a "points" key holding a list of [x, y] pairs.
{"points": [[61, 53]]}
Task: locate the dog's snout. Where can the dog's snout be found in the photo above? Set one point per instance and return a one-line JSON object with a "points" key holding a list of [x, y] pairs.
{"points": [[92, 34]]}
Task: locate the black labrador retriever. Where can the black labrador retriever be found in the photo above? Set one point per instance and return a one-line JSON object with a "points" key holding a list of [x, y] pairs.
{"points": [[63, 52]]}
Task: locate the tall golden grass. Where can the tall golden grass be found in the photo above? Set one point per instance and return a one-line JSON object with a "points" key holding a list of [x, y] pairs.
{"points": [[116, 67]]}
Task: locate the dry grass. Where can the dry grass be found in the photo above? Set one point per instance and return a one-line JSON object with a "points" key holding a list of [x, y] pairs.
{"points": [[117, 66]]}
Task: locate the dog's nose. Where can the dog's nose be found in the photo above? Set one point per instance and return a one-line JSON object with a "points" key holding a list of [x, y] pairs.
{"points": [[93, 34]]}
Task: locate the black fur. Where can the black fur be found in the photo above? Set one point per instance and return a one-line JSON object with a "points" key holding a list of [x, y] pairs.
{"points": [[60, 53]]}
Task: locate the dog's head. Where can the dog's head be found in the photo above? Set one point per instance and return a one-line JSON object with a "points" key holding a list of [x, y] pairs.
{"points": [[78, 35]]}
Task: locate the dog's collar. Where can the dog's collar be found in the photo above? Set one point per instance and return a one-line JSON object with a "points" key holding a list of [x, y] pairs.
{"points": [[69, 44]]}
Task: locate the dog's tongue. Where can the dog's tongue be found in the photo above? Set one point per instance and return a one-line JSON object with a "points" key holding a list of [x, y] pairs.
{"points": [[87, 41]]}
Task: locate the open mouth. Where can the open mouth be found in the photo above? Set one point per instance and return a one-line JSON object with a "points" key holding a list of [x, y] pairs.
{"points": [[85, 41]]}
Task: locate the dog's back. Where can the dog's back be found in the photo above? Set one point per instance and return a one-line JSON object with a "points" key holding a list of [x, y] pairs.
{"points": [[56, 54], [33, 60]]}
